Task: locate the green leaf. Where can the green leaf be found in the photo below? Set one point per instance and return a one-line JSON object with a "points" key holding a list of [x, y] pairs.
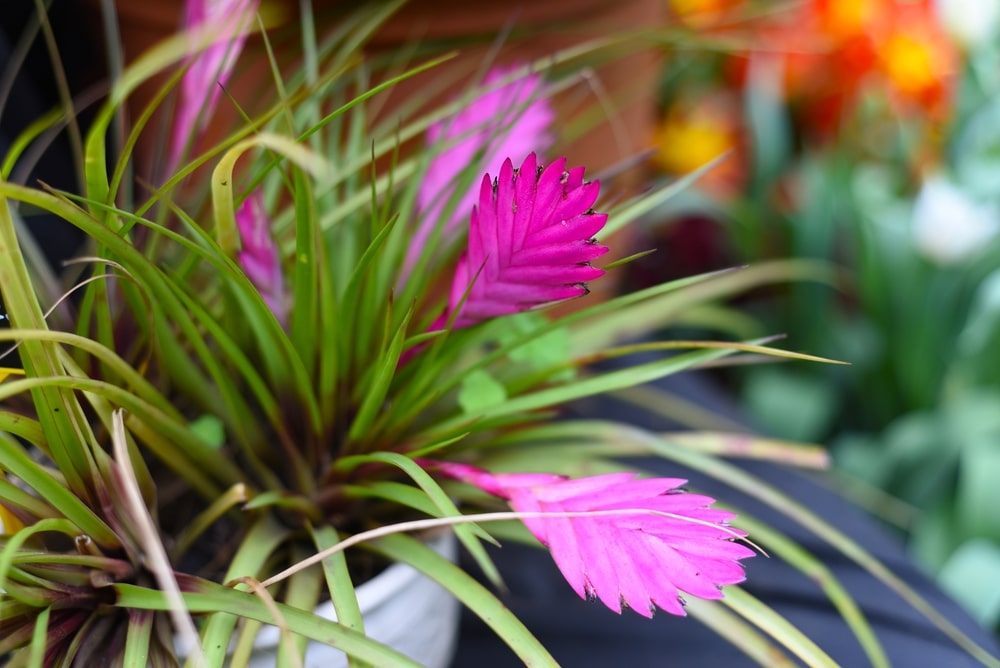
{"points": [[14, 543], [743, 636], [210, 429], [338, 580], [480, 391], [759, 614], [397, 493], [223, 206], [599, 384], [17, 462], [234, 604], [70, 441], [137, 638], [473, 595], [628, 212], [550, 347], [35, 129], [302, 592], [633, 315], [22, 427], [781, 546], [263, 538], [158, 431], [373, 400], [730, 444], [126, 374], [36, 657], [13, 496]]}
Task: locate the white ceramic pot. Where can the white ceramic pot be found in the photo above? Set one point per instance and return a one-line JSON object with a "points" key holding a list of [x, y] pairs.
{"points": [[402, 608]]}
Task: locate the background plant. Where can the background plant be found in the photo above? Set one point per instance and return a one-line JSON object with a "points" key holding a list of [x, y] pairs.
{"points": [[861, 139]]}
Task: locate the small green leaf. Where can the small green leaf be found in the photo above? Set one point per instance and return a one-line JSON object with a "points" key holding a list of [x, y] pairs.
{"points": [[480, 391], [211, 430], [549, 349]]}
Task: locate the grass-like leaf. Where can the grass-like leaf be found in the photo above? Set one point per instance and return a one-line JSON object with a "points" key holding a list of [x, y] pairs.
{"points": [[764, 617], [473, 595], [751, 641]]}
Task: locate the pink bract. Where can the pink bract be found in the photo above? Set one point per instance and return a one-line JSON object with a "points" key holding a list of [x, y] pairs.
{"points": [[530, 242], [210, 69], [673, 544], [260, 258]]}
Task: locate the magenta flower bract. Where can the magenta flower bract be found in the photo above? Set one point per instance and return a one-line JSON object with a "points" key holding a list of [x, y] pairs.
{"points": [[642, 560], [259, 257], [530, 242], [509, 122], [209, 69]]}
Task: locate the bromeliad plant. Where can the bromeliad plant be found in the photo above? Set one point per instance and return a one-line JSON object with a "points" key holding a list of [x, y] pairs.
{"points": [[320, 332]]}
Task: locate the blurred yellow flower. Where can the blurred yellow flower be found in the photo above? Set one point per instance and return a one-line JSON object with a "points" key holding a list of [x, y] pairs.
{"points": [[700, 13], [693, 133], [685, 142]]}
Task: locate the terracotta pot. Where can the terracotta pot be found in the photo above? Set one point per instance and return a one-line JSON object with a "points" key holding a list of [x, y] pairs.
{"points": [[627, 83]]}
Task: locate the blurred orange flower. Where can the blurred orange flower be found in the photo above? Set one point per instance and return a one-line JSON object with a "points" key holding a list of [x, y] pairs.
{"points": [[833, 50], [845, 19], [916, 57]]}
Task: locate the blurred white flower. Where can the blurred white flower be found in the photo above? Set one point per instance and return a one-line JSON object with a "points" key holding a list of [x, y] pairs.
{"points": [[949, 225], [970, 22]]}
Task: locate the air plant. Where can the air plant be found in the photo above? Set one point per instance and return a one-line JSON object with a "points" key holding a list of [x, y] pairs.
{"points": [[259, 373]]}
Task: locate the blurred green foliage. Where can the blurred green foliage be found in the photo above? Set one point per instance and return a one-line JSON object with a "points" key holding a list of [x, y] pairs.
{"points": [[839, 156]]}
